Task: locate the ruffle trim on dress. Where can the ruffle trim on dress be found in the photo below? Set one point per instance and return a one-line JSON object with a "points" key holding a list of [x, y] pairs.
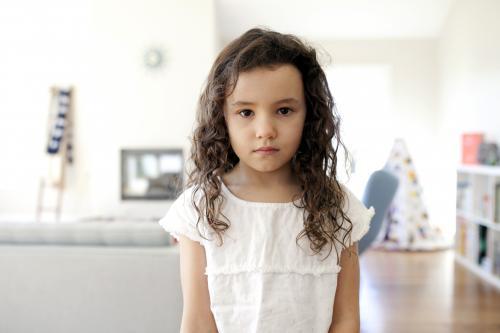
{"points": [[364, 226], [175, 229], [316, 271]]}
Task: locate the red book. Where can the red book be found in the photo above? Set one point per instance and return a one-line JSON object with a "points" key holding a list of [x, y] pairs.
{"points": [[470, 147]]}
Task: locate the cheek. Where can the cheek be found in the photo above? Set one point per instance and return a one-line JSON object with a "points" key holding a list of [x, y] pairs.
{"points": [[238, 130], [230, 126], [294, 131], [237, 134]]}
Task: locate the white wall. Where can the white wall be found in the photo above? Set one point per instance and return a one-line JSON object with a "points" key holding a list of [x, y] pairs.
{"points": [[391, 93], [469, 58], [367, 123], [97, 46]]}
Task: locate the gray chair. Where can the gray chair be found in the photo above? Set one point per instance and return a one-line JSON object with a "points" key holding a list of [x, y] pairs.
{"points": [[379, 192]]}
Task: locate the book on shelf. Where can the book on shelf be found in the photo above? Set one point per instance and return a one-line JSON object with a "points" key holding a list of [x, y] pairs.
{"points": [[483, 244], [482, 197], [471, 243], [496, 254], [497, 204], [484, 206], [464, 195], [470, 147], [461, 236]]}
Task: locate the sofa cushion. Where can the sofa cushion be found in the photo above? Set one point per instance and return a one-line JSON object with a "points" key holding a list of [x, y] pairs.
{"points": [[84, 233]]}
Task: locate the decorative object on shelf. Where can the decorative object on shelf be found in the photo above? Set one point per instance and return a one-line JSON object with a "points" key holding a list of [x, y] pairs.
{"points": [[154, 58], [470, 147], [406, 225], [488, 153], [151, 174]]}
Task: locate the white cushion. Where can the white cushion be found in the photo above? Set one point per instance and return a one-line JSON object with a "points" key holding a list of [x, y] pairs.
{"points": [[84, 233]]}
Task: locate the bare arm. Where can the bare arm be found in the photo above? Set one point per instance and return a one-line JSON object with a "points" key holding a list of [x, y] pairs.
{"points": [[345, 318], [196, 313]]}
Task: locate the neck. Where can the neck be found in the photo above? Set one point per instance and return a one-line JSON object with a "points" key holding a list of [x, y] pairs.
{"points": [[244, 175]]}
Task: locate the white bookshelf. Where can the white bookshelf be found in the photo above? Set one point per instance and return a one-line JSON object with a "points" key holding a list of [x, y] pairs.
{"points": [[477, 239]]}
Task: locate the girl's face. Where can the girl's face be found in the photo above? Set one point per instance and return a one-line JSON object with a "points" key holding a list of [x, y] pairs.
{"points": [[266, 108]]}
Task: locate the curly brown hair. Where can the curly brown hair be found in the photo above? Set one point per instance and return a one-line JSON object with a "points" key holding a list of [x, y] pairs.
{"points": [[315, 162]]}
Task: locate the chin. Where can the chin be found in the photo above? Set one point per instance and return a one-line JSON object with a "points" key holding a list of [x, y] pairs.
{"points": [[266, 167]]}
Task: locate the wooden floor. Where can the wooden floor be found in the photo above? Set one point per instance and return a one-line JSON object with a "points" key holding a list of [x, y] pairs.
{"points": [[406, 292]]}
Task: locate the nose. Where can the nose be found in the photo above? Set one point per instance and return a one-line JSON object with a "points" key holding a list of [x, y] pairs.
{"points": [[265, 128]]}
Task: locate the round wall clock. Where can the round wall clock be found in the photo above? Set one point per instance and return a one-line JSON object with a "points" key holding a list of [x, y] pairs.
{"points": [[154, 58]]}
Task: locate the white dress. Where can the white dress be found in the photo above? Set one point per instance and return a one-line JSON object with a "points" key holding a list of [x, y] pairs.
{"points": [[260, 280]]}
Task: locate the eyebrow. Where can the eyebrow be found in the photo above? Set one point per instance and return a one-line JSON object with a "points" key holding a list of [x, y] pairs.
{"points": [[284, 100]]}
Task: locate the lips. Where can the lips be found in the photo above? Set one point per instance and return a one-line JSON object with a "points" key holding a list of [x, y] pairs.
{"points": [[267, 148]]}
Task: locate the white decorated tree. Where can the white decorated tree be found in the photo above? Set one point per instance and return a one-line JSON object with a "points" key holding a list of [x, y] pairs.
{"points": [[406, 225]]}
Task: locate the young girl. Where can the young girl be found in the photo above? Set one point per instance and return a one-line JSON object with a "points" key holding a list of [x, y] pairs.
{"points": [[263, 210]]}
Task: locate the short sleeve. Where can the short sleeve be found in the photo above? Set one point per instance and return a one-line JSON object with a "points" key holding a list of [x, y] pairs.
{"points": [[359, 215], [181, 218]]}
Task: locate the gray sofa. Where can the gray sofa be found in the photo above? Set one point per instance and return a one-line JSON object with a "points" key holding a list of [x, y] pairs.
{"points": [[88, 277]]}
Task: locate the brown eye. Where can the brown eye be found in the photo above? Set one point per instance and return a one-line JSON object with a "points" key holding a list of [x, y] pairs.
{"points": [[244, 113], [288, 111]]}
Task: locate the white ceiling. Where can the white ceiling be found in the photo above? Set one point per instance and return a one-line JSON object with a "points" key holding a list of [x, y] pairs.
{"points": [[335, 19]]}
